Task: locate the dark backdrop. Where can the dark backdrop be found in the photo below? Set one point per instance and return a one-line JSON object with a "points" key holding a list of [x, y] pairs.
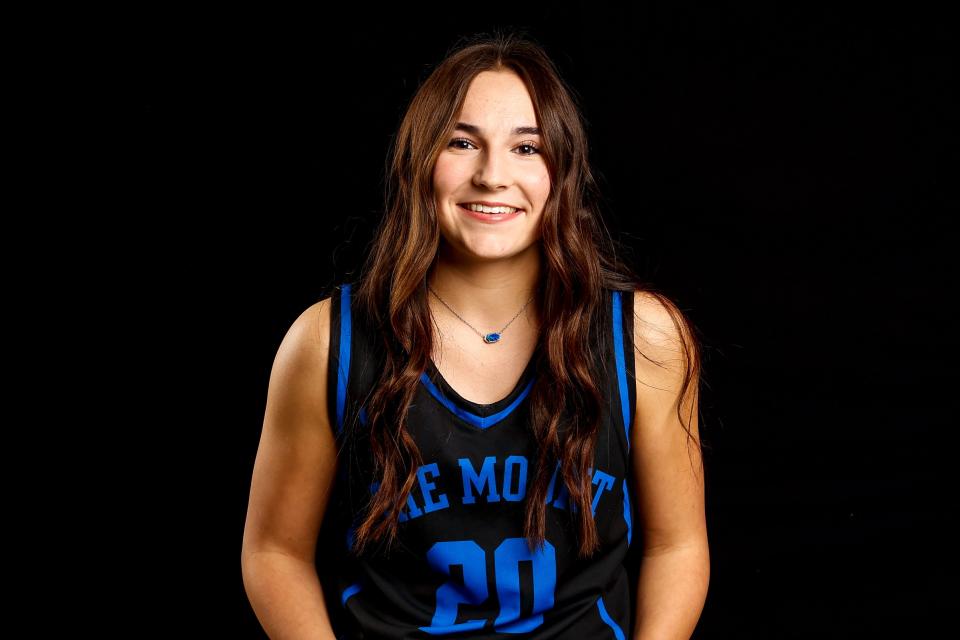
{"points": [[780, 172]]}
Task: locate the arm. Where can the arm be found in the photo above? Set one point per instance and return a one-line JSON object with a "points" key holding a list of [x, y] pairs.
{"points": [[292, 478], [667, 480]]}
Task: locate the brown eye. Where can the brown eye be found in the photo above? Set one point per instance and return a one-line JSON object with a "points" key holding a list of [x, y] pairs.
{"points": [[456, 141], [535, 148]]}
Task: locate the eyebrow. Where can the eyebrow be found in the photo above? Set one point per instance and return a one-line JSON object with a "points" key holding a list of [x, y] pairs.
{"points": [[475, 130]]}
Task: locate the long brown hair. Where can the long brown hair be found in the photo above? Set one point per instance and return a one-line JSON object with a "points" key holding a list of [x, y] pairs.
{"points": [[579, 259]]}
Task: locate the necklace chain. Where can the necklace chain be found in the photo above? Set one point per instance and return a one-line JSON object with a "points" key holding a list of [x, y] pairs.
{"points": [[489, 338]]}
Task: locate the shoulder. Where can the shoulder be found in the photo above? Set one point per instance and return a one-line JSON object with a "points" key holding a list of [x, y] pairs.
{"points": [[310, 331], [663, 337], [657, 319], [301, 358]]}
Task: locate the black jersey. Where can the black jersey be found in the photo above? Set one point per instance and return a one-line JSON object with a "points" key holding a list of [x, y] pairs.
{"points": [[460, 566]]}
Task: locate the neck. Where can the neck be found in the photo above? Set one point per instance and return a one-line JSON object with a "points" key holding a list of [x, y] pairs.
{"points": [[487, 294]]}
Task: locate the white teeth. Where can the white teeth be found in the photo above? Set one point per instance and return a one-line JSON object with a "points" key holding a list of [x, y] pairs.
{"points": [[482, 209]]}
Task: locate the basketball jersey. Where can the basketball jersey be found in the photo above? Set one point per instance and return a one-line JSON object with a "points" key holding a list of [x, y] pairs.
{"points": [[460, 565]]}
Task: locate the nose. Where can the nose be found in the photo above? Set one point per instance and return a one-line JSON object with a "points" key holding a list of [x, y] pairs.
{"points": [[492, 172]]}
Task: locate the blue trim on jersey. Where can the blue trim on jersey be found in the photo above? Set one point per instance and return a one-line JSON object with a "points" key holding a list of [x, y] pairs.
{"points": [[349, 591], [627, 515], [480, 422], [617, 631], [343, 371], [621, 362]]}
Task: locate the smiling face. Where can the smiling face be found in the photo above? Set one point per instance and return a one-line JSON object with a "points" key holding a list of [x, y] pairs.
{"points": [[492, 156]]}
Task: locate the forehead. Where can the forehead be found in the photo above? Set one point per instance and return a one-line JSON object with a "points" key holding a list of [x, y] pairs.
{"points": [[498, 102]]}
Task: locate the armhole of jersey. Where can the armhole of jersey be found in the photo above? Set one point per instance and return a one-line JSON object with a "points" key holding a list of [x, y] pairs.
{"points": [[622, 315], [623, 322], [335, 533], [338, 371]]}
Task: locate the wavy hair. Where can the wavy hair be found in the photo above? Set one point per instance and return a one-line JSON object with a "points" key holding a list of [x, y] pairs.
{"points": [[579, 259]]}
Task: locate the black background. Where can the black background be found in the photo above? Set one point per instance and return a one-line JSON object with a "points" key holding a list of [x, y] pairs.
{"points": [[778, 170]]}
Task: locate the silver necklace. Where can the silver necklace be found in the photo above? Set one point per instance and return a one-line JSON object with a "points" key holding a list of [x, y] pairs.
{"points": [[489, 338]]}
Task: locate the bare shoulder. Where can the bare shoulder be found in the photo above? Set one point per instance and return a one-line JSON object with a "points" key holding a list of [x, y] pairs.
{"points": [[308, 335], [298, 380], [663, 336]]}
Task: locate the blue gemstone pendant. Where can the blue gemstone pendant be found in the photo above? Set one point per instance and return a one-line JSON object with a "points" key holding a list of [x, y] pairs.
{"points": [[491, 337]]}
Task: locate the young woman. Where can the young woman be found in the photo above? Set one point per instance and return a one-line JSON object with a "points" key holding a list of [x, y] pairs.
{"points": [[465, 440]]}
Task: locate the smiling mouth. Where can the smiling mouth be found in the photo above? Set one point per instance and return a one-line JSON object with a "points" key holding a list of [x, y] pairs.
{"points": [[514, 210]]}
